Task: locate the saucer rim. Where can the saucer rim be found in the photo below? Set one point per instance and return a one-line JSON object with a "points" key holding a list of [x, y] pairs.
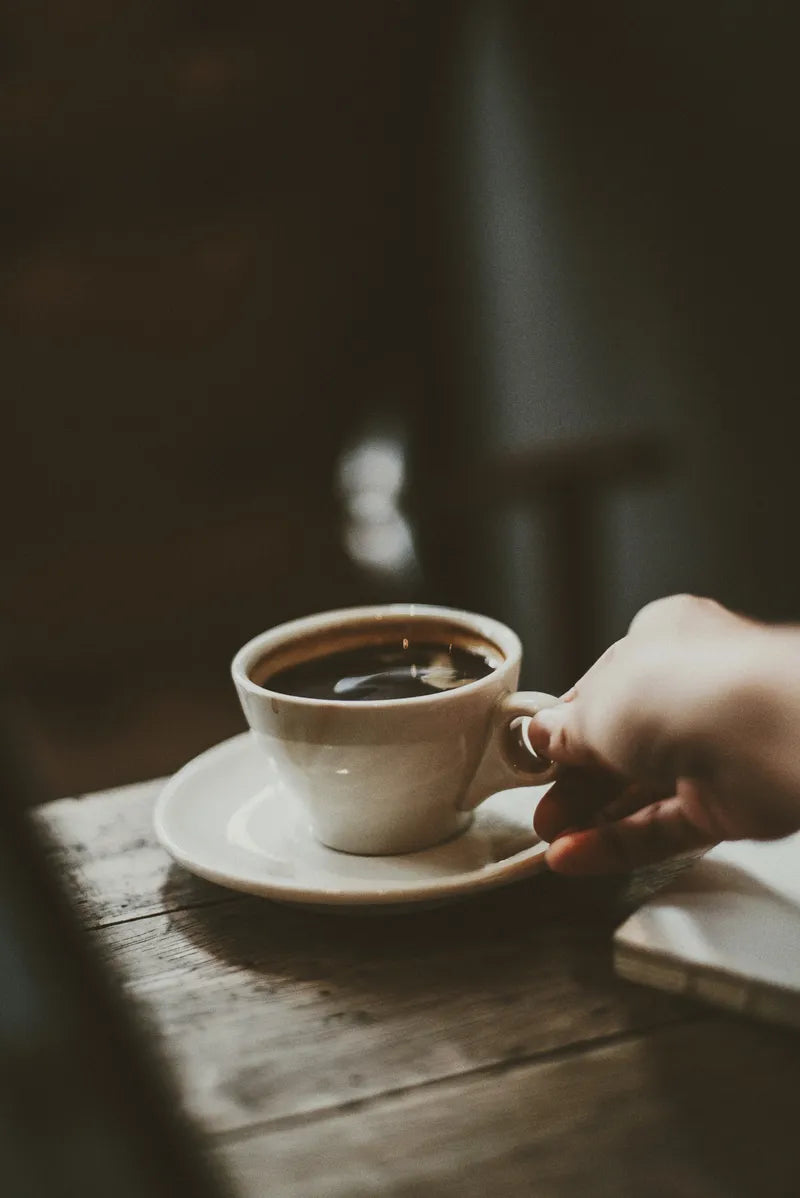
{"points": [[520, 865]]}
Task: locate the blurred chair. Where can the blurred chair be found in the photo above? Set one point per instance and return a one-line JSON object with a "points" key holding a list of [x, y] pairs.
{"points": [[569, 484]]}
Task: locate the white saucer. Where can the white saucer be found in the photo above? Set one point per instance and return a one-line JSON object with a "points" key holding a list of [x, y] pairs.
{"points": [[221, 817]]}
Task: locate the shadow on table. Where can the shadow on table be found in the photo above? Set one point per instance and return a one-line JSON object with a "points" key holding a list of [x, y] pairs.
{"points": [[530, 912], [724, 1092], [525, 911], [673, 1097], [542, 936]]}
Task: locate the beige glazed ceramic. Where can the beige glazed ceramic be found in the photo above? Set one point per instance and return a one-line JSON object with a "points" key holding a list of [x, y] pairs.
{"points": [[398, 775]]}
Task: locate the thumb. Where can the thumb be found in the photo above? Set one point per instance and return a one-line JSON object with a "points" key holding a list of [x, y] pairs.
{"points": [[555, 733]]}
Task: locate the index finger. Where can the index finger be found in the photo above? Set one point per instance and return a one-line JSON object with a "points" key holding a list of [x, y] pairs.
{"points": [[574, 800], [654, 833]]}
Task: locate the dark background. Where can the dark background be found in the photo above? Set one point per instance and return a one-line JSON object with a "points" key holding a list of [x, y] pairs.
{"points": [[545, 255]]}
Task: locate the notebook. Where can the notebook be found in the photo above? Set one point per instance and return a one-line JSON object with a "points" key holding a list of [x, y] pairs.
{"points": [[727, 931]]}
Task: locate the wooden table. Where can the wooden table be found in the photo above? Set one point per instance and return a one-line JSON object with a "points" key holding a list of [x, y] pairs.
{"points": [[481, 1048]]}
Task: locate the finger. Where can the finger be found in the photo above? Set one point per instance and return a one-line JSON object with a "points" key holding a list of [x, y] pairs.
{"points": [[654, 833], [631, 797], [555, 733], [574, 800]]}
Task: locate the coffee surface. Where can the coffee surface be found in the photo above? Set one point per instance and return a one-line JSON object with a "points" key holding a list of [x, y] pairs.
{"points": [[404, 670]]}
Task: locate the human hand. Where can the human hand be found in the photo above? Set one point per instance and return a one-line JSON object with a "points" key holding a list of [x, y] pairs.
{"points": [[682, 734]]}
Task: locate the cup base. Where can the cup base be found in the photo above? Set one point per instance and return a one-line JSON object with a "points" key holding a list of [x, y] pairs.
{"points": [[366, 846]]}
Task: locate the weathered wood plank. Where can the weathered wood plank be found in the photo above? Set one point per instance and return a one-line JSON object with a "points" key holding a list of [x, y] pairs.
{"points": [[269, 1011], [700, 1111], [478, 1046], [105, 847]]}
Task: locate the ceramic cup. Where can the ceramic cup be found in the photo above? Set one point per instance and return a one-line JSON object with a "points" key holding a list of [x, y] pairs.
{"points": [[392, 775]]}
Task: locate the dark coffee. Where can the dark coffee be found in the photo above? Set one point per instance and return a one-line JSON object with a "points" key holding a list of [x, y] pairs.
{"points": [[399, 670]]}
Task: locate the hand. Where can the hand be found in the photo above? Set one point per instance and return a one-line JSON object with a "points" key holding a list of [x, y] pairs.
{"points": [[684, 733]]}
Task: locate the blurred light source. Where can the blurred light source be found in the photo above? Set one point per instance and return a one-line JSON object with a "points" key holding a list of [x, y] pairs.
{"points": [[370, 479]]}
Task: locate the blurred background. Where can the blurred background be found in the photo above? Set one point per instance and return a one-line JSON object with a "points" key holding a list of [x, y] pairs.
{"points": [[487, 304]]}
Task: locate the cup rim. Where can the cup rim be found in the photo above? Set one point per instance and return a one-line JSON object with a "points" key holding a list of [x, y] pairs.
{"points": [[490, 629]]}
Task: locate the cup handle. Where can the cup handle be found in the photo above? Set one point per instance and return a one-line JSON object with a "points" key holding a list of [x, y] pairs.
{"points": [[508, 760]]}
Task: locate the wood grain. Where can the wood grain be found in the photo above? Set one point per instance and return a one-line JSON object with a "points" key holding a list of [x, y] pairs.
{"points": [[482, 1046], [702, 1111], [269, 1011], [105, 846]]}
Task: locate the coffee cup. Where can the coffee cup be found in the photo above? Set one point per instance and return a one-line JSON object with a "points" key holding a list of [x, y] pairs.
{"points": [[385, 757]]}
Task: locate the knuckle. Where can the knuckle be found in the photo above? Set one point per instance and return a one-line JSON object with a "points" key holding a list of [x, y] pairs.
{"points": [[560, 742], [567, 745], [672, 611]]}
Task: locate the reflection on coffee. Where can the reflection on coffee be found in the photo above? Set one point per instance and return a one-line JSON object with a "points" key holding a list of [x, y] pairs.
{"points": [[403, 670]]}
